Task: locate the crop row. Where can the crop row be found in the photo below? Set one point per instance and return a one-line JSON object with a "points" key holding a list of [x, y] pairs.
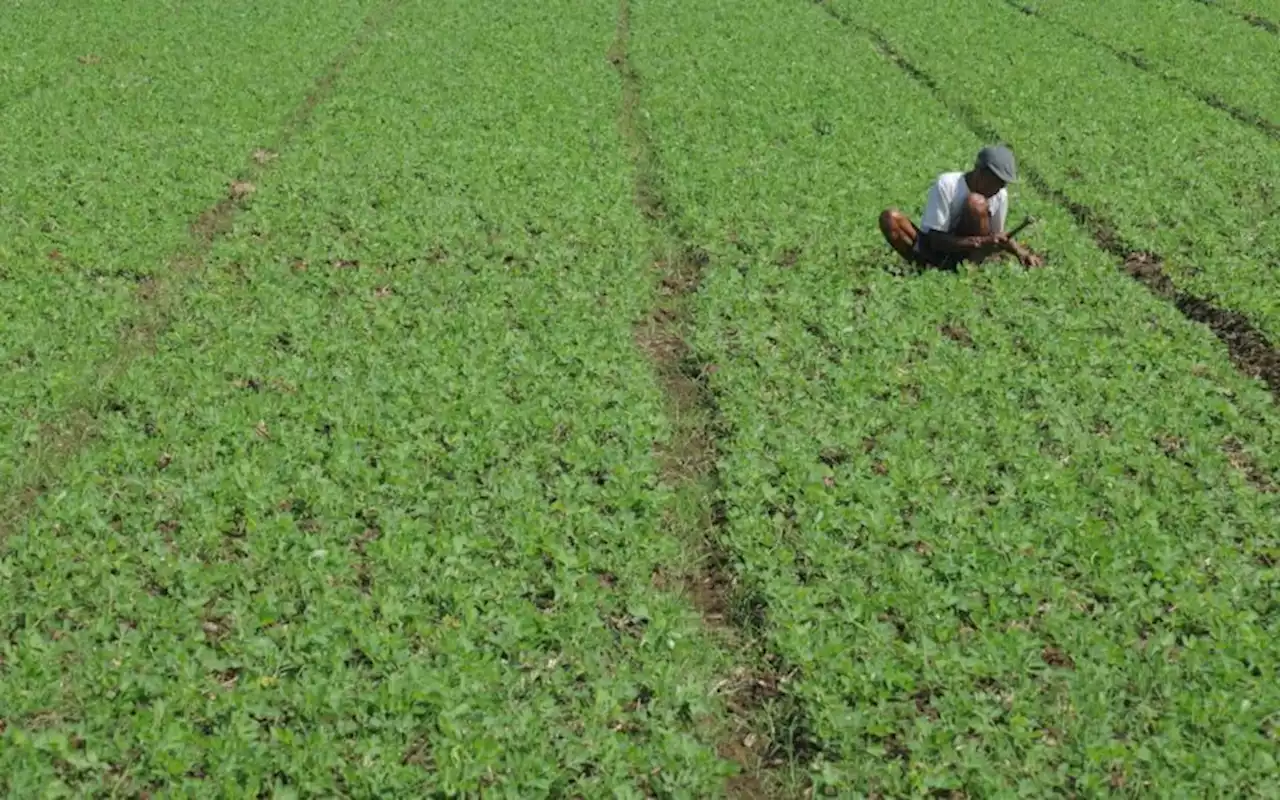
{"points": [[1264, 14], [1195, 45], [381, 516], [1170, 173], [101, 174], [380, 513], [1008, 527]]}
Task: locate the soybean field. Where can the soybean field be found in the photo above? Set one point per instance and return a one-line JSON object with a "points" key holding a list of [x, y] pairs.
{"points": [[429, 398]]}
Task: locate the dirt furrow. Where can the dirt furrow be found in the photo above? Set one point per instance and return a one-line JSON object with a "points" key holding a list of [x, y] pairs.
{"points": [[1241, 115], [160, 295], [1247, 346], [1256, 20], [688, 460]]}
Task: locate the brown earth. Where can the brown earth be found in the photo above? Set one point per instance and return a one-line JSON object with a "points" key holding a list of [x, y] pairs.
{"points": [[688, 457]]}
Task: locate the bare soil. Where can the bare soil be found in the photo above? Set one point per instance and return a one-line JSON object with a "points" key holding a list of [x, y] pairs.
{"points": [[688, 458]]}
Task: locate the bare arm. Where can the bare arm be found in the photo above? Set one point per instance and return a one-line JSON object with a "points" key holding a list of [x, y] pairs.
{"points": [[999, 243], [943, 242]]}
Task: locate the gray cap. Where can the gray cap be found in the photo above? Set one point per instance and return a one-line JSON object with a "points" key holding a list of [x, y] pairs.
{"points": [[999, 160]]}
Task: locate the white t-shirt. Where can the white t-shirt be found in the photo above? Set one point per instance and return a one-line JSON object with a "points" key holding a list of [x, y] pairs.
{"points": [[946, 202]]}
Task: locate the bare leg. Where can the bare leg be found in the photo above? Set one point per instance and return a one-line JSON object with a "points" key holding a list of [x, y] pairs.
{"points": [[900, 232], [975, 220]]}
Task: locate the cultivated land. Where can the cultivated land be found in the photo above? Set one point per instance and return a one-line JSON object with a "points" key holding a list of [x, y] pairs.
{"points": [[517, 398]]}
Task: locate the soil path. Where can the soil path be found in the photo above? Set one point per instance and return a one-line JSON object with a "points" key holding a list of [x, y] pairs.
{"points": [[688, 460]]}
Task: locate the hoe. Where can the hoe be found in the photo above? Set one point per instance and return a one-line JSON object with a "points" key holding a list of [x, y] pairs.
{"points": [[1022, 226]]}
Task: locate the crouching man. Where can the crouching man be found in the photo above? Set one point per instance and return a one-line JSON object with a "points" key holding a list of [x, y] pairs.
{"points": [[964, 217]]}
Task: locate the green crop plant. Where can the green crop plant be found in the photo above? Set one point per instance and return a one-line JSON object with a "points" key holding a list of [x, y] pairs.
{"points": [[102, 173], [993, 518], [362, 486], [48, 44], [1170, 173], [1262, 14], [380, 515], [1211, 53]]}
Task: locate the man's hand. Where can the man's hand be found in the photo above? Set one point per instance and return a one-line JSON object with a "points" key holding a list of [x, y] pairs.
{"points": [[998, 241], [1002, 241], [1027, 258]]}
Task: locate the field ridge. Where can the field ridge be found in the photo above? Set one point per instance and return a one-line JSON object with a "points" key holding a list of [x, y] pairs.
{"points": [[1248, 347], [688, 461], [1241, 115], [160, 296], [1262, 22], [1248, 17], [445, 398]]}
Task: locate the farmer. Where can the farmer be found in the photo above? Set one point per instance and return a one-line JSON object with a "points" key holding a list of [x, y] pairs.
{"points": [[964, 217]]}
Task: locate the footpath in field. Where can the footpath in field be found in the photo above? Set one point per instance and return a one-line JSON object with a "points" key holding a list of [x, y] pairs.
{"points": [[754, 707], [101, 175], [1008, 530], [381, 515]]}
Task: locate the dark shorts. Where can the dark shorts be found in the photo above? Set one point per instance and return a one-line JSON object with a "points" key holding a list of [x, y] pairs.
{"points": [[939, 260]]}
